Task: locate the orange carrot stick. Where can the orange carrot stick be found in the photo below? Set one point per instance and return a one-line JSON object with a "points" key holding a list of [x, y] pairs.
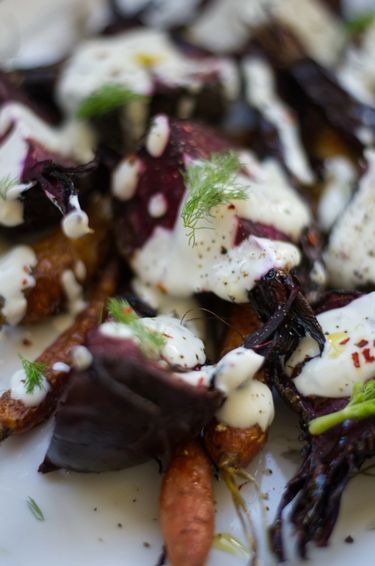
{"points": [[15, 417], [187, 507]]}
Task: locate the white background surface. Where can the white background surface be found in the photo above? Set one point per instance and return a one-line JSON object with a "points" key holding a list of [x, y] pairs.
{"points": [[73, 532]]}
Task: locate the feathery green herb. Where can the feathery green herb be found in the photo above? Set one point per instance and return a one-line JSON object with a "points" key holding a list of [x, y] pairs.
{"points": [[150, 341], [210, 183], [6, 183], [360, 23], [360, 406], [108, 97], [35, 509], [34, 374]]}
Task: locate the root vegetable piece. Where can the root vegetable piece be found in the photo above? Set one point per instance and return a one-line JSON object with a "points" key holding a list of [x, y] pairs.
{"points": [[56, 254], [15, 417], [187, 507]]}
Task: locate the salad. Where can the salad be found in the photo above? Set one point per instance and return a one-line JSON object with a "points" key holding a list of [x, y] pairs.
{"points": [[191, 189]]}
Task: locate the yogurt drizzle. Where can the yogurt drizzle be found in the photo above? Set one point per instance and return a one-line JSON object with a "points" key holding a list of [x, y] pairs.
{"points": [[248, 401], [349, 352], [169, 262], [134, 60], [261, 93], [350, 253], [15, 278]]}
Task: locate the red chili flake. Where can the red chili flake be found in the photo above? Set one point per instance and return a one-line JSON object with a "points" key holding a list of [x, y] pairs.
{"points": [[368, 357], [355, 358], [345, 341], [312, 238], [201, 381], [26, 342], [231, 206], [362, 343]]}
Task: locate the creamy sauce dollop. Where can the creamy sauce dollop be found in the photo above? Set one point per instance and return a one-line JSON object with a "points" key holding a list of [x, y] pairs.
{"points": [[350, 253], [15, 278], [349, 352], [170, 262]]}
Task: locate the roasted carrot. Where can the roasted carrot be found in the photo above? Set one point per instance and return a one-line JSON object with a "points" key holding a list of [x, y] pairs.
{"points": [[231, 447], [15, 417], [187, 507], [56, 254]]}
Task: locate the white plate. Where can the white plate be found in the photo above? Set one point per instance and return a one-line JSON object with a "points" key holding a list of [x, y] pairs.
{"points": [[112, 518]]}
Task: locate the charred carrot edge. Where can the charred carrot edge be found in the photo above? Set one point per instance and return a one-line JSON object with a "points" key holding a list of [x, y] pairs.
{"points": [[187, 507], [55, 254], [15, 417]]}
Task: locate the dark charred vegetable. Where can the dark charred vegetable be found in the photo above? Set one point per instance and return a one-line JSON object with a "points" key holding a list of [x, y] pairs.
{"points": [[287, 316], [318, 85], [55, 184], [124, 410], [329, 459], [162, 175]]}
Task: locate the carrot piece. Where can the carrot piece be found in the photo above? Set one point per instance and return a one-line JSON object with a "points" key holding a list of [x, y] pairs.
{"points": [[15, 417], [243, 321], [187, 507], [231, 447], [55, 254]]}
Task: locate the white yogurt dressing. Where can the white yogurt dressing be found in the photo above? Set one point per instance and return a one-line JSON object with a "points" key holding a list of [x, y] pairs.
{"points": [[134, 59], [170, 262], [182, 349], [81, 358], [349, 352], [71, 140], [61, 367], [262, 94], [357, 72], [73, 291], [157, 205], [158, 136], [227, 24], [186, 309], [18, 390], [247, 402], [15, 277], [125, 178], [340, 175], [351, 248], [163, 14], [75, 224]]}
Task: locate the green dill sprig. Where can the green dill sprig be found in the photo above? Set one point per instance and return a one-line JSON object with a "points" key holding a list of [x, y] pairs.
{"points": [[6, 183], [360, 406], [359, 24], [210, 183], [150, 341], [34, 374], [35, 509], [106, 98]]}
